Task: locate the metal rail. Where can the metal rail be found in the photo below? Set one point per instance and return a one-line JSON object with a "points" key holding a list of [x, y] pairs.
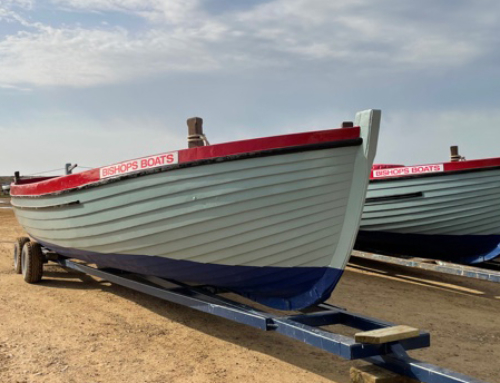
{"points": [[441, 267], [304, 327]]}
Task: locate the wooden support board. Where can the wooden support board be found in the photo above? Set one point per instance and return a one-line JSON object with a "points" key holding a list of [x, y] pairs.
{"points": [[386, 335], [375, 374]]}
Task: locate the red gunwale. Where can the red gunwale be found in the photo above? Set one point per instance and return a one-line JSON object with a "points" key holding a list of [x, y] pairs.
{"points": [[448, 167], [72, 181]]}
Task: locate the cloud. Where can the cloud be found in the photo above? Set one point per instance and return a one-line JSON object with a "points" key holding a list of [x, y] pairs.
{"points": [[14, 87], [20, 4], [83, 57], [42, 55], [344, 37], [171, 11], [359, 30]]}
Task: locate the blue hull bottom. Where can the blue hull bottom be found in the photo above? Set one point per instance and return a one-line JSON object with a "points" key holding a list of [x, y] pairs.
{"points": [[466, 249], [281, 288]]}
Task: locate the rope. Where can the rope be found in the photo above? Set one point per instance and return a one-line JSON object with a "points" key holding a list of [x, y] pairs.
{"points": [[53, 170], [44, 172], [205, 139], [196, 137]]}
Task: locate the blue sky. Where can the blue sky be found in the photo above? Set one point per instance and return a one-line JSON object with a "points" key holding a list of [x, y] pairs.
{"points": [[100, 81]]}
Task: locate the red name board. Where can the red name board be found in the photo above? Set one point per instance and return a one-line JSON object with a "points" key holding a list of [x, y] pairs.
{"points": [[139, 164], [407, 171]]}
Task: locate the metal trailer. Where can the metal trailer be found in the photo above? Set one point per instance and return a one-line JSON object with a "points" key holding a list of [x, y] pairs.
{"points": [[305, 327], [489, 272]]}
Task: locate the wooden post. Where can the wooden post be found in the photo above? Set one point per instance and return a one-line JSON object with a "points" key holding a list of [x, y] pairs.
{"points": [[195, 132], [454, 156]]}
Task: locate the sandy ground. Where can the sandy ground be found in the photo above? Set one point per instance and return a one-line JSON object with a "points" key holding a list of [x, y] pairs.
{"points": [[73, 328]]}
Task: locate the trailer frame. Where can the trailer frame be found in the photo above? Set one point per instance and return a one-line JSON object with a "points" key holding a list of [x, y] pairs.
{"points": [[304, 326], [435, 265]]}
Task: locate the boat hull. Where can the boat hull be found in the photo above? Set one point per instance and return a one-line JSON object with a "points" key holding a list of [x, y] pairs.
{"points": [[466, 249], [267, 228], [453, 216], [279, 287], [276, 227]]}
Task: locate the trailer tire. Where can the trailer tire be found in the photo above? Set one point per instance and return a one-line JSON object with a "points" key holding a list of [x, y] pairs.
{"points": [[18, 248], [32, 262]]}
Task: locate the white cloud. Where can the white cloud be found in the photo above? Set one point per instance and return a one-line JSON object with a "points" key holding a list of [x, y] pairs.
{"points": [[173, 11], [14, 87], [355, 30], [180, 36], [83, 57], [22, 4], [439, 51]]}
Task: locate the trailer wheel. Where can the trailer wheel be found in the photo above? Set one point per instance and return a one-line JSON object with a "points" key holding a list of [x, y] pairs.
{"points": [[32, 262], [18, 248]]}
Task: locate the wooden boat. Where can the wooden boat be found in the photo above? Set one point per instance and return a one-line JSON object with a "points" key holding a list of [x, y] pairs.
{"points": [[272, 219], [448, 211]]}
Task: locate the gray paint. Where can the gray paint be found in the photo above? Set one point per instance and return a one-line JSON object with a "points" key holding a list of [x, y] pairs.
{"points": [[300, 209], [453, 204]]}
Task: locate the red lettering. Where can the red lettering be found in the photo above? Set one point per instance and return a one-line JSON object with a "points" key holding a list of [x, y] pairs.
{"points": [[143, 163]]}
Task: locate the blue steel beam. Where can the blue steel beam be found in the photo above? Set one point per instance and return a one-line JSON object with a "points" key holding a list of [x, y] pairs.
{"points": [[342, 345], [401, 363], [303, 327], [445, 268], [182, 295]]}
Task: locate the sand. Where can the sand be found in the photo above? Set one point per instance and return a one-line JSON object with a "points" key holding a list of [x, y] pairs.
{"points": [[74, 328]]}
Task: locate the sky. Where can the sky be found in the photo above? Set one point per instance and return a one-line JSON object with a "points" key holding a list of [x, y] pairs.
{"points": [[95, 82]]}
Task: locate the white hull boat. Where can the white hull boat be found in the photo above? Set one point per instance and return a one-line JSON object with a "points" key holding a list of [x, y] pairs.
{"points": [[449, 211], [272, 219]]}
